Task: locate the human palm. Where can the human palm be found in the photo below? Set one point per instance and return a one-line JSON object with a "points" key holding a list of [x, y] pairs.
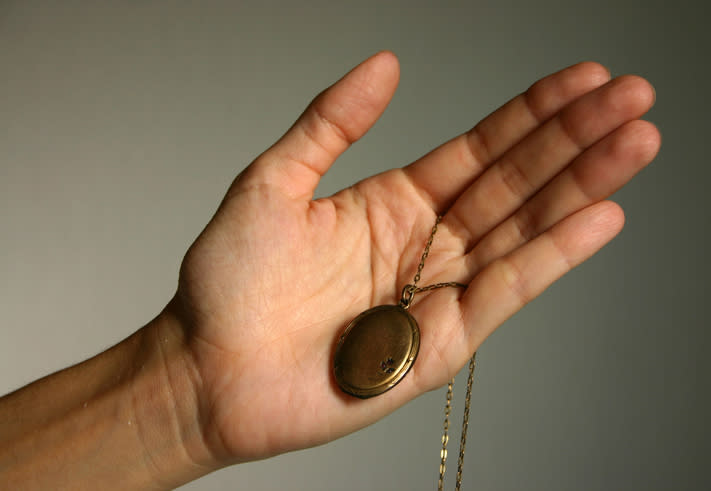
{"points": [[274, 278]]}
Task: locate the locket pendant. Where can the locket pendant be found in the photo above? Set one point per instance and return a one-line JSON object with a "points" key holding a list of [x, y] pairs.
{"points": [[376, 351], [378, 348]]}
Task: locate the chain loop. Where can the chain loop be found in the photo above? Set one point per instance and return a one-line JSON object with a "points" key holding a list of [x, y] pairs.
{"points": [[409, 291]]}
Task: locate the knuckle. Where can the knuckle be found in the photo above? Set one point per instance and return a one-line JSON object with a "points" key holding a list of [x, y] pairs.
{"points": [[478, 145], [513, 280], [514, 178], [526, 224]]}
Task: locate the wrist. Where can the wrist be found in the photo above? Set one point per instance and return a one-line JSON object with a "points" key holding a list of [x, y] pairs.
{"points": [[167, 404], [127, 418]]}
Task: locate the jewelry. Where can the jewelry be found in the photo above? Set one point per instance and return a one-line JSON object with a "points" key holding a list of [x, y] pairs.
{"points": [[379, 346], [465, 427]]}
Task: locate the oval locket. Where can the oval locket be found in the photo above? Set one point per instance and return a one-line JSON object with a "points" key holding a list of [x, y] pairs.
{"points": [[376, 351]]}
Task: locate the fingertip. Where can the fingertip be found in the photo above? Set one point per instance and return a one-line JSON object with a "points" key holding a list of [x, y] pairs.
{"points": [[551, 93], [356, 101], [388, 57], [595, 72], [639, 141], [608, 218], [638, 90], [586, 231], [385, 67]]}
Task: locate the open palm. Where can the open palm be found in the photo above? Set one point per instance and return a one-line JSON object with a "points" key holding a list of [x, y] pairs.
{"points": [[274, 278]]}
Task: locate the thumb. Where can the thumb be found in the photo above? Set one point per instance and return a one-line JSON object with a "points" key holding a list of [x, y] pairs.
{"points": [[334, 120]]}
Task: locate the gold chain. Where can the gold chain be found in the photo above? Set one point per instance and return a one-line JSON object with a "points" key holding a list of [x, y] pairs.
{"points": [[465, 423], [445, 437], [408, 294], [411, 289]]}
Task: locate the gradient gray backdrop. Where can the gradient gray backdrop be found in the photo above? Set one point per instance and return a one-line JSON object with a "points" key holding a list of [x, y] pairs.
{"points": [[122, 123]]}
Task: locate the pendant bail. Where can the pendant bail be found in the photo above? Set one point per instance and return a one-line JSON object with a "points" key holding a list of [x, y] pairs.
{"points": [[408, 293]]}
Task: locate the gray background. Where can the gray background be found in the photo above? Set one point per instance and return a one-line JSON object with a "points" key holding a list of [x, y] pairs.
{"points": [[122, 123]]}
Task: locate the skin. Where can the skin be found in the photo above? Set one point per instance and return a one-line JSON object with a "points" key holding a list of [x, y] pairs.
{"points": [[237, 367]]}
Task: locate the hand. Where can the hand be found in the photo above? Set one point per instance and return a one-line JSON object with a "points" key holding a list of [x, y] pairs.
{"points": [[275, 277]]}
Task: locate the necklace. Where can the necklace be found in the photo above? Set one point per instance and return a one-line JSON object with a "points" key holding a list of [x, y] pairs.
{"points": [[378, 348]]}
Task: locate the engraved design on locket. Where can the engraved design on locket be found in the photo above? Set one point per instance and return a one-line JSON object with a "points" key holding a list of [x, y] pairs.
{"points": [[376, 351]]}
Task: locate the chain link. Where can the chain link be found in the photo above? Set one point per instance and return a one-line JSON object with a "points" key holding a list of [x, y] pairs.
{"points": [[445, 437], [426, 252], [465, 422], [408, 293], [439, 285]]}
